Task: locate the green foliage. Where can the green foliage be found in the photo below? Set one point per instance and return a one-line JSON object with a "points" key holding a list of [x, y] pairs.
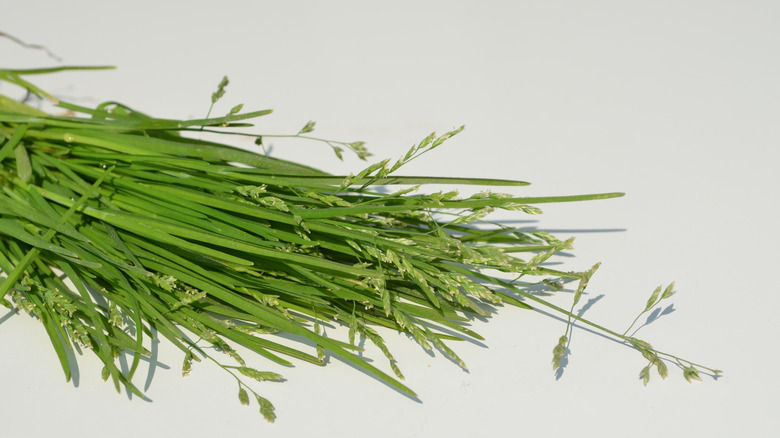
{"points": [[211, 246]]}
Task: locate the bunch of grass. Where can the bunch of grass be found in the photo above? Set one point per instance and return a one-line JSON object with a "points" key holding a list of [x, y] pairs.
{"points": [[115, 225]]}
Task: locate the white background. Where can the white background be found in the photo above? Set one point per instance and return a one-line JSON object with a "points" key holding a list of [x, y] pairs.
{"points": [[675, 103]]}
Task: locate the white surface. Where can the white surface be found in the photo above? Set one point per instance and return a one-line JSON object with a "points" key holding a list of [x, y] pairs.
{"points": [[673, 102]]}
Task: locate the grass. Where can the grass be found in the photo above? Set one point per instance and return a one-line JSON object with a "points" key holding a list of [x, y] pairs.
{"points": [[211, 246]]}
